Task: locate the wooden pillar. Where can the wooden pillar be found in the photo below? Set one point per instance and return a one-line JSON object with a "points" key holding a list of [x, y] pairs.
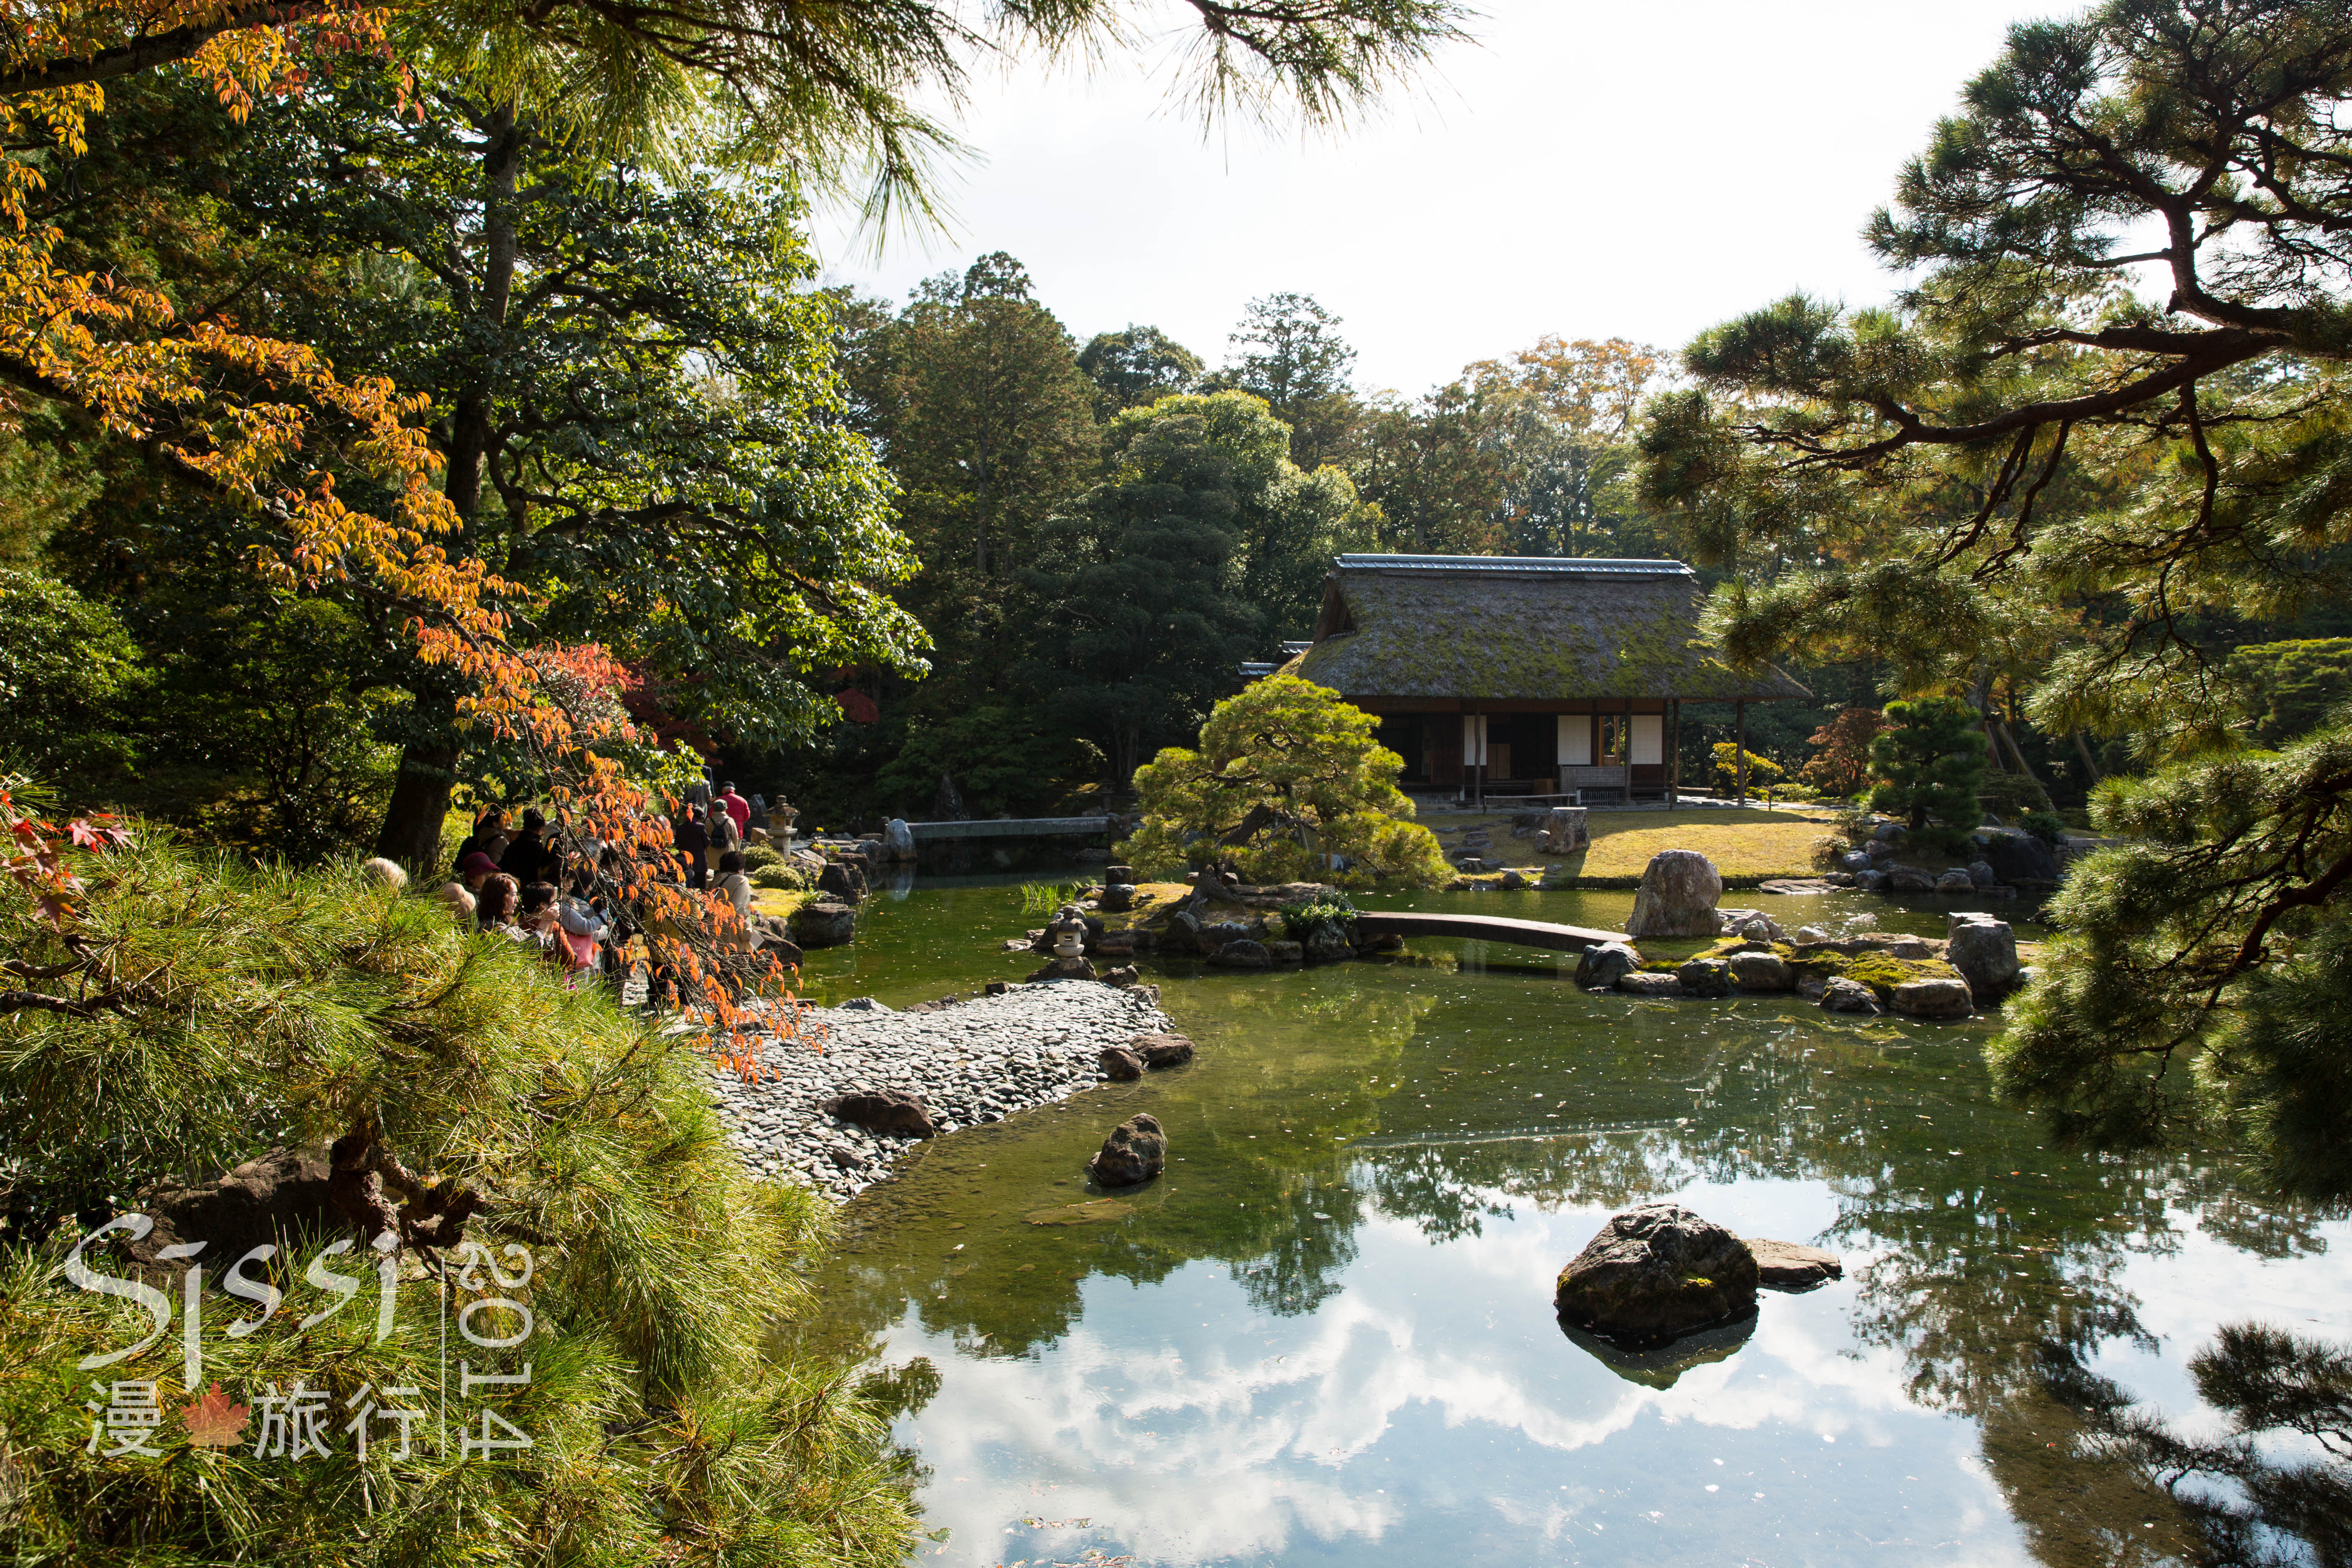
{"points": [[1739, 746], [1673, 750]]}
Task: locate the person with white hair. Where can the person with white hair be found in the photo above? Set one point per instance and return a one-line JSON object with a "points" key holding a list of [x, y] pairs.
{"points": [[384, 873]]}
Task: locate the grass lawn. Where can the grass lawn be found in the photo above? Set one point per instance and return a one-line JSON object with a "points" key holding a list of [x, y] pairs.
{"points": [[1746, 845]]}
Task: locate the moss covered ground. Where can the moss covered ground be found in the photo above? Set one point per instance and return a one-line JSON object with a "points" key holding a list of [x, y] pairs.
{"points": [[1747, 846]]}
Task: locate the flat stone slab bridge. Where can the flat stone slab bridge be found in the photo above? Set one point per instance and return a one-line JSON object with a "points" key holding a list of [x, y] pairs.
{"points": [[1010, 827], [1484, 928]]}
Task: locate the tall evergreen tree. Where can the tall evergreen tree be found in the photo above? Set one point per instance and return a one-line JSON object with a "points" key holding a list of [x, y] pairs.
{"points": [[1135, 368], [1288, 350]]}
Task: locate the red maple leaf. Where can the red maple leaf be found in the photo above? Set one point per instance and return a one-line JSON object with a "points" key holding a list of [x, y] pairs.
{"points": [[216, 1421]]}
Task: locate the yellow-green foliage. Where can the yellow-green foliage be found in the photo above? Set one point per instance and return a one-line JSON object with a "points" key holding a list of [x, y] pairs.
{"points": [[1306, 763], [272, 1008]]}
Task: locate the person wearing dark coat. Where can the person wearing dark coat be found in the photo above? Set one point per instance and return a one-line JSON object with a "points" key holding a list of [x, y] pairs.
{"points": [[531, 858], [691, 839]]}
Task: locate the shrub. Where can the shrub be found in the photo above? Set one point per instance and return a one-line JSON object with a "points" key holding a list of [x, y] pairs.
{"points": [[2046, 825], [1287, 777], [1841, 763], [756, 856], [258, 1008], [780, 876], [1761, 770], [2012, 794], [1301, 921]]}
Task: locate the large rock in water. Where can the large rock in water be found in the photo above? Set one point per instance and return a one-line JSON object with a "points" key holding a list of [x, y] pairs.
{"points": [[2020, 857], [1984, 950], [1787, 1266], [1934, 998], [898, 840], [825, 923], [1161, 1052], [1677, 896], [1136, 1150], [1655, 1272], [1597, 968]]}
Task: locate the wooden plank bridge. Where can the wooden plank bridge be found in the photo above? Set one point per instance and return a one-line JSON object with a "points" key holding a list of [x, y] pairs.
{"points": [[1484, 928]]}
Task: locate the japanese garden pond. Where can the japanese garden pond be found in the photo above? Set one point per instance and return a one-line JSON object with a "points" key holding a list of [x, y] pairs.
{"points": [[1326, 1334]]}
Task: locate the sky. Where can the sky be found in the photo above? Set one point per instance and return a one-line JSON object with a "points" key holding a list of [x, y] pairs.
{"points": [[1584, 168]]}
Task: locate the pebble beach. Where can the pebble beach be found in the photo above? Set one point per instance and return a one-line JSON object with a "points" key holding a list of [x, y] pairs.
{"points": [[969, 1061]]}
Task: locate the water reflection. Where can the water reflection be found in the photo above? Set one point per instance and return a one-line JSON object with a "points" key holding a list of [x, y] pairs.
{"points": [[1328, 1331]]}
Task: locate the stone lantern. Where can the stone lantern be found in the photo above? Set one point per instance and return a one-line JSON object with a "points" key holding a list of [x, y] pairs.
{"points": [[1069, 931]]}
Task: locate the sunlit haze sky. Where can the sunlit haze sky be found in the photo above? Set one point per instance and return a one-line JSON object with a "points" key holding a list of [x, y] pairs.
{"points": [[1593, 170]]}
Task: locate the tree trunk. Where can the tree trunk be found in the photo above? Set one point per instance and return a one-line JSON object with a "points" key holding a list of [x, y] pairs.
{"points": [[2016, 754], [2083, 747], [420, 796], [420, 799]]}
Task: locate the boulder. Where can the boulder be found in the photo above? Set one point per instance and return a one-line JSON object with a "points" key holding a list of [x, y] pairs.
{"points": [[1934, 998], [1136, 1150], [273, 1197], [1218, 934], [1910, 880], [825, 923], [1677, 896], [1843, 996], [1119, 1064], [1329, 943], [1117, 897], [1556, 877], [884, 1111], [1161, 1051], [1760, 971], [1126, 975], [1954, 881], [1287, 952], [1853, 860], [898, 840], [1513, 881], [1650, 983], [1242, 953], [1597, 968], [842, 879], [1981, 873], [1786, 1266], [866, 1004], [1890, 833], [1063, 969], [1704, 977], [2020, 857], [1872, 881], [1656, 1272], [1984, 950], [1911, 947], [1812, 933]]}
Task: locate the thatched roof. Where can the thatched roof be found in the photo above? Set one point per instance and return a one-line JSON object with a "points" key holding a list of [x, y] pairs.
{"points": [[1491, 627]]}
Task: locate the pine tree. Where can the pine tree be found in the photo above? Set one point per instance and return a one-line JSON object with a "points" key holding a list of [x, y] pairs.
{"points": [[1930, 766]]}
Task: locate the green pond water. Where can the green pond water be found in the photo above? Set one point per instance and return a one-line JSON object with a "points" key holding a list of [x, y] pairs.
{"points": [[1327, 1335]]}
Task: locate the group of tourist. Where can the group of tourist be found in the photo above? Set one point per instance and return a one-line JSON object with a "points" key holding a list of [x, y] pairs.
{"points": [[518, 885], [513, 881]]}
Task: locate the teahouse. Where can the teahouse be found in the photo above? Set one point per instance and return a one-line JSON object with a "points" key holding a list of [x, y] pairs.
{"points": [[1503, 675]]}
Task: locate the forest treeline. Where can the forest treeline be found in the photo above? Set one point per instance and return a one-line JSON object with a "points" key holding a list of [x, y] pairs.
{"points": [[925, 557]]}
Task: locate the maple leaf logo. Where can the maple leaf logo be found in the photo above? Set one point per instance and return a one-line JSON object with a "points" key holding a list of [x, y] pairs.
{"points": [[216, 1421]]}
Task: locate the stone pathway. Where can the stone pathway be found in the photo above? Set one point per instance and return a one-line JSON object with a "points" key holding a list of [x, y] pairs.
{"points": [[969, 1062]]}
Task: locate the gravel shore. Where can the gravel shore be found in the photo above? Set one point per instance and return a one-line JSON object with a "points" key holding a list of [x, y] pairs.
{"points": [[969, 1062]]}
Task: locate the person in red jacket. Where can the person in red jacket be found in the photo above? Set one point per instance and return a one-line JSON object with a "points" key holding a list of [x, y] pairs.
{"points": [[737, 807]]}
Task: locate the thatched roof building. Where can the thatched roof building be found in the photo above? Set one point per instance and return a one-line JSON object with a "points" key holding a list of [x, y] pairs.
{"points": [[1504, 674]]}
